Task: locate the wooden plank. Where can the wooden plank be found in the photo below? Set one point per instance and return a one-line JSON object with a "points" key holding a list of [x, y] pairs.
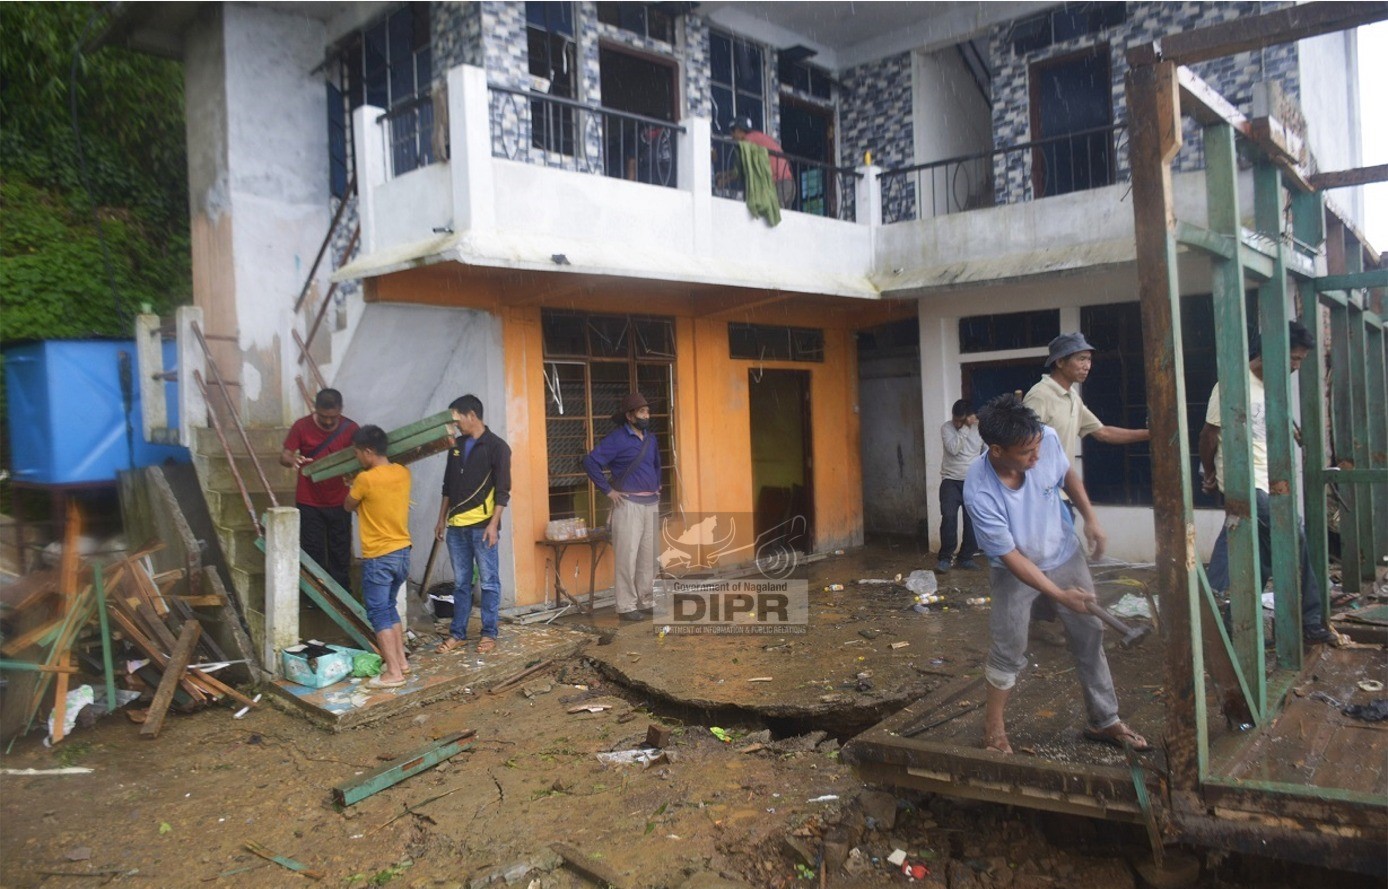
{"points": [[221, 687], [31, 637], [158, 631], [174, 669], [67, 588], [400, 447], [137, 638], [30, 590], [26, 666], [107, 663], [1348, 178], [205, 601], [587, 867], [1255, 32], [356, 789]]}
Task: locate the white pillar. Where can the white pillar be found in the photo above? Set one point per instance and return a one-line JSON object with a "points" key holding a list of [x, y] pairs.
{"points": [[149, 360], [470, 150], [696, 177], [868, 199], [371, 171], [281, 584], [192, 407]]}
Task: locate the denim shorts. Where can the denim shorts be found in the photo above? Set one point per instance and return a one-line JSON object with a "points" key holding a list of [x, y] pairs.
{"points": [[380, 578]]}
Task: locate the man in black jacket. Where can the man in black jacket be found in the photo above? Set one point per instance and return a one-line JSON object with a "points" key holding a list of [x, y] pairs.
{"points": [[476, 490]]}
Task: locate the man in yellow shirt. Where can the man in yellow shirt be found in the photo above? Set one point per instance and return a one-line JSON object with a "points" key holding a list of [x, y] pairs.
{"points": [[1058, 404], [380, 496]]}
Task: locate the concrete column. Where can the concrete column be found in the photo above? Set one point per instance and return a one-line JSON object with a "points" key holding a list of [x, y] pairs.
{"points": [[149, 360], [192, 407], [696, 177], [281, 584], [869, 196], [470, 138], [369, 144]]}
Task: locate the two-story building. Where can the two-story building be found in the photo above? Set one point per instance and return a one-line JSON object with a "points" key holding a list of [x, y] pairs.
{"points": [[541, 209]]}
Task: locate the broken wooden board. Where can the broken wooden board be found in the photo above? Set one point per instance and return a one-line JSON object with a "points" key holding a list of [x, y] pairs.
{"points": [[179, 659], [359, 788], [403, 445], [336, 603]]}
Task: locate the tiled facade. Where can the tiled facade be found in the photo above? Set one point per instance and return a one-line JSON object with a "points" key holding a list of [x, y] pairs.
{"points": [[1233, 76]]}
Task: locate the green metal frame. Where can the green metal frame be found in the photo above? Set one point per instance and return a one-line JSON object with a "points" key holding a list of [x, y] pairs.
{"points": [[419, 439]]}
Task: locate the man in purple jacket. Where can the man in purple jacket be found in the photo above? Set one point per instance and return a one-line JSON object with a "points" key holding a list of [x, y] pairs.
{"points": [[626, 467]]}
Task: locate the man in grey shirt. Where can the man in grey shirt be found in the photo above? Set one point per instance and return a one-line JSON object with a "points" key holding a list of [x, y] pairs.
{"points": [[962, 446]]}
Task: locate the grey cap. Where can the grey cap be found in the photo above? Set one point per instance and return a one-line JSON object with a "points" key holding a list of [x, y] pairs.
{"points": [[1067, 344], [742, 122]]}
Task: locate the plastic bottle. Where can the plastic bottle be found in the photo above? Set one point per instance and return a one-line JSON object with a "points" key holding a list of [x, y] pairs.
{"points": [[833, 588], [922, 582], [979, 600]]}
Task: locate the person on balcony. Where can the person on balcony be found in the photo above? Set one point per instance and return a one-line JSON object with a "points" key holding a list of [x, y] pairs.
{"points": [[476, 490], [1313, 629], [1013, 495], [781, 173], [325, 528], [631, 456], [380, 496]]}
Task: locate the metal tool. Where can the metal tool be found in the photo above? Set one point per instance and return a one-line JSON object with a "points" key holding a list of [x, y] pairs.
{"points": [[1131, 635]]}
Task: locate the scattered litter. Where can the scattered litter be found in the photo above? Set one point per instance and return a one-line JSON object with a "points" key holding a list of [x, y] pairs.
{"points": [[632, 757], [589, 708], [367, 664], [834, 588], [897, 857], [895, 645], [70, 770], [922, 582], [246, 709], [720, 734], [869, 581], [761, 679], [826, 798], [282, 861], [1374, 711], [79, 853], [1136, 606], [76, 699], [978, 600], [1370, 685]]}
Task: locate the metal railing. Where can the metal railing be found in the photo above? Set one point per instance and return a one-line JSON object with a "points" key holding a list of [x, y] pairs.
{"points": [[551, 131], [1016, 174], [802, 184], [409, 128], [305, 342], [216, 423]]}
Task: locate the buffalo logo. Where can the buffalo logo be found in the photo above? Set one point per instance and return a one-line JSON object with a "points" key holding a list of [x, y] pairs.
{"points": [[702, 545]]}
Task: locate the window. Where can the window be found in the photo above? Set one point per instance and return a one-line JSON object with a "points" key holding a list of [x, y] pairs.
{"points": [[1016, 330], [1065, 22], [549, 31], [644, 19], [591, 362], [805, 78], [760, 342], [737, 82], [386, 65], [1116, 392]]}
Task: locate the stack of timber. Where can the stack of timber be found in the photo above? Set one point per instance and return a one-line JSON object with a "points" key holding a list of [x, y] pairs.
{"points": [[404, 445], [86, 617]]}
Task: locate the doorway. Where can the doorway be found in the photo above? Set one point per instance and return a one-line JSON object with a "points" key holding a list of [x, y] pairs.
{"points": [[807, 131], [1071, 99], [782, 495], [645, 86]]}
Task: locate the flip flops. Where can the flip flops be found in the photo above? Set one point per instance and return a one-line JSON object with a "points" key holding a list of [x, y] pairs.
{"points": [[450, 646], [997, 743], [1118, 735], [378, 682], [486, 645]]}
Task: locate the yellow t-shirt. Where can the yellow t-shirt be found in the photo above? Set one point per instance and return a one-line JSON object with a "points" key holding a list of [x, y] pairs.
{"points": [[1064, 411], [1257, 432], [383, 518]]}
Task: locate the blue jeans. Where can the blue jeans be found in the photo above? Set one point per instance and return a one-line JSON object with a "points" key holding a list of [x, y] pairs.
{"points": [[466, 547], [380, 578], [1218, 571]]}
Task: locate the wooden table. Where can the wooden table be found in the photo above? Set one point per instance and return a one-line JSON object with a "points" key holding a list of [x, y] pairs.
{"points": [[597, 541]]}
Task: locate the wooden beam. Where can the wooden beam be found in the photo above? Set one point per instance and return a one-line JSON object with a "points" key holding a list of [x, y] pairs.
{"points": [[1373, 278], [1348, 178], [354, 790], [177, 665], [1255, 32], [1205, 103]]}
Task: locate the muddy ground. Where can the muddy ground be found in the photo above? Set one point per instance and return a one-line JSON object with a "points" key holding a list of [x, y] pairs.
{"points": [[758, 810]]}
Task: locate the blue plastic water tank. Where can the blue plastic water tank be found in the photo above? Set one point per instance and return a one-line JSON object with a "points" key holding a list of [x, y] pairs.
{"points": [[67, 421]]}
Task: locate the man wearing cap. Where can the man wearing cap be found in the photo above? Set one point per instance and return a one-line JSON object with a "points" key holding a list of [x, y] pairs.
{"points": [[626, 467], [743, 131], [1060, 407]]}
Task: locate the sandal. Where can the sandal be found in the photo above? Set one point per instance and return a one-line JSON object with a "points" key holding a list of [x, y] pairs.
{"points": [[1118, 735], [997, 743], [378, 682], [450, 646], [486, 645]]}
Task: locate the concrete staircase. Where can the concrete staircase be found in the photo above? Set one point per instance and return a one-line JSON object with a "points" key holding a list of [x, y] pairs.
{"points": [[235, 531]]}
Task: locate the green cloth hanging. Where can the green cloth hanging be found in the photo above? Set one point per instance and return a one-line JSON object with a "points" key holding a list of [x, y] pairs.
{"points": [[756, 178]]}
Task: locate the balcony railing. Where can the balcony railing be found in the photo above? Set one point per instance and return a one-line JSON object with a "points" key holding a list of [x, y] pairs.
{"points": [[1044, 168], [552, 131], [409, 130], [810, 186]]}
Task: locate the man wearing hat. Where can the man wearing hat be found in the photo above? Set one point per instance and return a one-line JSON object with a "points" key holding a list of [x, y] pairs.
{"points": [[626, 467], [1060, 407], [781, 174]]}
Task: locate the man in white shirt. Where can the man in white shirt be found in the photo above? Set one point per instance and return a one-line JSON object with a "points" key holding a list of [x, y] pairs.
{"points": [[962, 447]]}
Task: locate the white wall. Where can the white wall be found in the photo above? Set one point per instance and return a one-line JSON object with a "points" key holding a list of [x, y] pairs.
{"points": [[951, 116], [1330, 99], [409, 362]]}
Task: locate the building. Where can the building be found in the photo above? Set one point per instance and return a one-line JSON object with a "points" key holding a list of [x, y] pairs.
{"points": [[539, 210]]}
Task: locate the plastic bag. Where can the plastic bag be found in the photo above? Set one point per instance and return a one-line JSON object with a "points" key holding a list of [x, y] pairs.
{"points": [[366, 665], [922, 582]]}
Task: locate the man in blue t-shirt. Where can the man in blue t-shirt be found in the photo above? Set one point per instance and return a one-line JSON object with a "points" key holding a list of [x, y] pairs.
{"points": [[1021, 524]]}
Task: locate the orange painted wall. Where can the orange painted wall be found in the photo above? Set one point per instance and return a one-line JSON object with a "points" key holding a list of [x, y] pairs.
{"points": [[712, 421]]}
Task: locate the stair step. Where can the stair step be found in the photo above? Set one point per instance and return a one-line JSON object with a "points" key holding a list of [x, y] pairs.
{"points": [[216, 475], [228, 510], [250, 587]]}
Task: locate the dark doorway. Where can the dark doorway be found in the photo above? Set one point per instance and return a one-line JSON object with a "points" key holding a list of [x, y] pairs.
{"points": [[985, 380], [807, 131], [1071, 98], [632, 149], [782, 496]]}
